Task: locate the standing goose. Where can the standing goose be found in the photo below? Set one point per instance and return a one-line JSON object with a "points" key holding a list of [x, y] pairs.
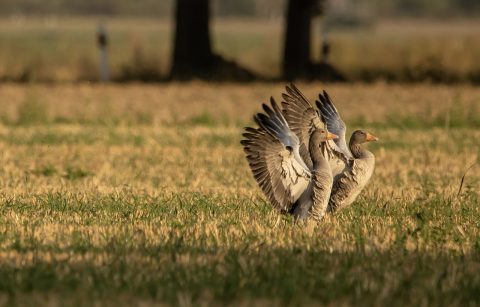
{"points": [[356, 175], [352, 166], [273, 155]]}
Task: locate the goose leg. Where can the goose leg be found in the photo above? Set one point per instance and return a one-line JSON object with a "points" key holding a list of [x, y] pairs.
{"points": [[302, 207], [301, 211]]}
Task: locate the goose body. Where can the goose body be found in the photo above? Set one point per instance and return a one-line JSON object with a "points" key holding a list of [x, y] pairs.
{"points": [[352, 166], [315, 199], [349, 183], [273, 154]]}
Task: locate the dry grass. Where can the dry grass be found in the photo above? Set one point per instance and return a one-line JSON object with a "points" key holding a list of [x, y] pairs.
{"points": [[141, 194], [230, 105]]}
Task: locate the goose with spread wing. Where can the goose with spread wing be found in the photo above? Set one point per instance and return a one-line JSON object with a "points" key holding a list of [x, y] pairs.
{"points": [[352, 166], [273, 154]]}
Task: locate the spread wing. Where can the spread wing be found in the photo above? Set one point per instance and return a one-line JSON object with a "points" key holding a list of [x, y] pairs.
{"points": [[273, 155], [334, 122], [302, 119]]}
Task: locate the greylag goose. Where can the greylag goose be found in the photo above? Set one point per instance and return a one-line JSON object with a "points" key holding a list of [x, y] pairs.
{"points": [[273, 155], [352, 166]]}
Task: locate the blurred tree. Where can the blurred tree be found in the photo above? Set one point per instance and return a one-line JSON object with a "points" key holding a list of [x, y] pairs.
{"points": [[297, 62], [192, 46], [260, 8], [234, 8], [296, 58], [192, 52]]}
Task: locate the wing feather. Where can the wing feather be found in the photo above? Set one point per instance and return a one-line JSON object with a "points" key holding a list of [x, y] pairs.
{"points": [[270, 150], [334, 122], [303, 119]]}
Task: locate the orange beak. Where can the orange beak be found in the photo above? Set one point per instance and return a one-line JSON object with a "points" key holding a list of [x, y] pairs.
{"points": [[331, 136], [371, 138]]}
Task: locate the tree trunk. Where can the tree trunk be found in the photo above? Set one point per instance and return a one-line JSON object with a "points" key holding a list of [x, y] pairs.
{"points": [[192, 54], [296, 59]]}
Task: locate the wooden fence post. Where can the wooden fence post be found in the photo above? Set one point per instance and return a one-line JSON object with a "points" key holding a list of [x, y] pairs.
{"points": [[102, 41]]}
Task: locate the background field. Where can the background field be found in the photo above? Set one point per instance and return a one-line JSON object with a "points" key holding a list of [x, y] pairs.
{"points": [[140, 194], [64, 49]]}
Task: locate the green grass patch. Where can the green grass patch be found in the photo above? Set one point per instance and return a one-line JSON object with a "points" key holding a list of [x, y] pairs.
{"points": [[163, 248]]}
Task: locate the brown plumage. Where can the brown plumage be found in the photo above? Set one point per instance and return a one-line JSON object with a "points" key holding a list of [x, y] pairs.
{"points": [[273, 154], [303, 118], [351, 166], [351, 182]]}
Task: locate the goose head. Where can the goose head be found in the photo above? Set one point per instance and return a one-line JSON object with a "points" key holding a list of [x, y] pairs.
{"points": [[362, 136], [319, 137]]}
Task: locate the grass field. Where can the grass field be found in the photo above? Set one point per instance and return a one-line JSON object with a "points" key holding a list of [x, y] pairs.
{"points": [[141, 195], [64, 49]]}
